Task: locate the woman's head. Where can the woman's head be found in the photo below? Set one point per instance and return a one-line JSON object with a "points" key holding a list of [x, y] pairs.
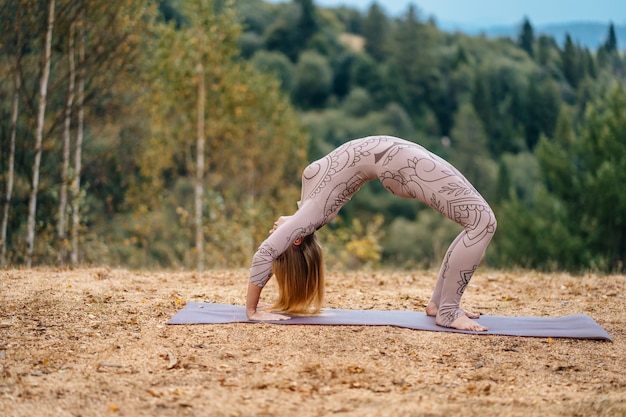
{"points": [[299, 272]]}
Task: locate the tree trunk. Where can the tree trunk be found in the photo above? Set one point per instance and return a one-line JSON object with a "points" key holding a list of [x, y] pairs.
{"points": [[11, 167], [62, 226], [200, 171], [79, 142], [43, 91]]}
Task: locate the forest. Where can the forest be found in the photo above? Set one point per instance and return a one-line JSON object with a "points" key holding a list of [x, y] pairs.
{"points": [[170, 134]]}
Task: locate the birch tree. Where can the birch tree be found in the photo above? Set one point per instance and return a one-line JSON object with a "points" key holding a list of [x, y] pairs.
{"points": [[200, 142], [41, 114], [110, 32], [225, 126], [199, 186], [13, 133], [202, 44], [65, 168], [80, 132]]}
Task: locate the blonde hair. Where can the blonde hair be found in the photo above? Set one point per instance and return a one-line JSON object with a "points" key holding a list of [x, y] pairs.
{"points": [[299, 273]]}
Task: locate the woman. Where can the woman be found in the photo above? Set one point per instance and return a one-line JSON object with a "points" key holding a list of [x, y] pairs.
{"points": [[407, 170]]}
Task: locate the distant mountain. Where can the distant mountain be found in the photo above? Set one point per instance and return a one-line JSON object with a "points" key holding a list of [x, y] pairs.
{"points": [[587, 34]]}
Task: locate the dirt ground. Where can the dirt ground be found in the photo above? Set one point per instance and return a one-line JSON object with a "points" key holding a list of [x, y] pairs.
{"points": [[95, 342]]}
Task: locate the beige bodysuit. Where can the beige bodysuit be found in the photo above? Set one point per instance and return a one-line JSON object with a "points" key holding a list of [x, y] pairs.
{"points": [[407, 170]]}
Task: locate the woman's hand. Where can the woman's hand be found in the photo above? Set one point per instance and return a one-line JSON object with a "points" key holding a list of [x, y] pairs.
{"points": [[279, 222], [265, 315], [254, 309]]}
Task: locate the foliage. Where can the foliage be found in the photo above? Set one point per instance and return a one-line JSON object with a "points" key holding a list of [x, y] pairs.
{"points": [[469, 152], [602, 154], [538, 235], [277, 64], [421, 243], [584, 174], [313, 81], [537, 124], [353, 244], [253, 140]]}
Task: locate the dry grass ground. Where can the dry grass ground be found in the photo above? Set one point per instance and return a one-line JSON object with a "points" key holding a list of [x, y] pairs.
{"points": [[94, 342]]}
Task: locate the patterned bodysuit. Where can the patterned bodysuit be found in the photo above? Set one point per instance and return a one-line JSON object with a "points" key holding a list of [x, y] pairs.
{"points": [[407, 170]]}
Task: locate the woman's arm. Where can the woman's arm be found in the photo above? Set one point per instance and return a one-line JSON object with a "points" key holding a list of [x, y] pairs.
{"points": [[285, 232], [252, 301]]}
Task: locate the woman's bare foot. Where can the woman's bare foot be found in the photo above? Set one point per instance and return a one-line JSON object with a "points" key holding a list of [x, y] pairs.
{"points": [[464, 323], [431, 310]]}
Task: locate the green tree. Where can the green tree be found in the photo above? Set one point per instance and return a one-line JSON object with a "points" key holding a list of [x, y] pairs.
{"points": [[366, 73], [398, 121], [518, 176], [469, 152], [610, 45], [608, 55], [546, 48], [589, 64], [586, 174], [537, 234], [603, 156], [543, 103], [482, 101], [526, 38], [256, 15], [277, 64], [292, 31], [342, 74], [249, 44], [169, 11], [498, 98], [307, 25], [280, 36], [313, 81], [376, 32], [413, 54], [558, 165], [536, 223], [358, 103], [570, 62], [460, 79]]}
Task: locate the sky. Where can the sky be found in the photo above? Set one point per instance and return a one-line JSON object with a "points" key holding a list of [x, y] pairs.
{"points": [[482, 13]]}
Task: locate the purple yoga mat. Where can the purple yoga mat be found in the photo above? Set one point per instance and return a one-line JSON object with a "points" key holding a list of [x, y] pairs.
{"points": [[578, 326]]}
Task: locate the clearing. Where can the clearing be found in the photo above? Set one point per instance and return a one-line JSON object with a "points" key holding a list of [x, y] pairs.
{"points": [[94, 342]]}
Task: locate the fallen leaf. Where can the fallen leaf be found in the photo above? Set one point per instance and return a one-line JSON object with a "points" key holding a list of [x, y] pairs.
{"points": [[173, 361], [153, 393]]}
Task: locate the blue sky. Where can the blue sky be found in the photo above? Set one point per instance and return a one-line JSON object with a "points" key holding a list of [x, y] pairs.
{"points": [[501, 12]]}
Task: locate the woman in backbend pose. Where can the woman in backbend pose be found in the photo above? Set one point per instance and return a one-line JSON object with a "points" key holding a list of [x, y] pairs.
{"points": [[293, 254]]}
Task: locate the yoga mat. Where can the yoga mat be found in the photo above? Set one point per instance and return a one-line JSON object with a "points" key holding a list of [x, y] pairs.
{"points": [[578, 326]]}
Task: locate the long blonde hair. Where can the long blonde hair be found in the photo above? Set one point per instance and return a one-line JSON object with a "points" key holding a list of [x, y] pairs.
{"points": [[299, 273]]}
